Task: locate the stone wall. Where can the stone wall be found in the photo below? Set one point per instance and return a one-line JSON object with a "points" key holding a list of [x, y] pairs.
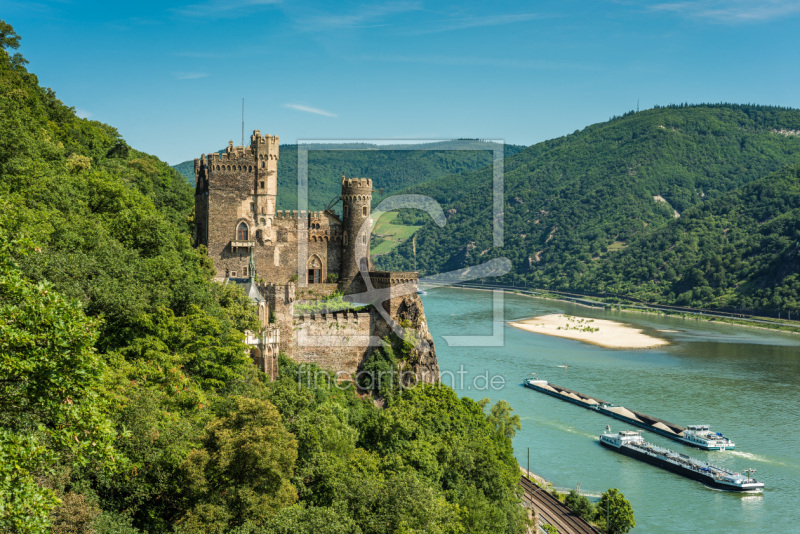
{"points": [[335, 341]]}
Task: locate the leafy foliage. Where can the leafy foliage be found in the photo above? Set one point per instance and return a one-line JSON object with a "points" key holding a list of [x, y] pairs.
{"points": [[580, 505], [615, 512], [105, 308]]}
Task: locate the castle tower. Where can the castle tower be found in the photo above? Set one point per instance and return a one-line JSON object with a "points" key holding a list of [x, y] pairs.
{"points": [[235, 197], [265, 152], [356, 200]]}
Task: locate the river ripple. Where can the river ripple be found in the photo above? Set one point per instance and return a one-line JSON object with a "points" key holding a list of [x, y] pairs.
{"points": [[744, 382]]}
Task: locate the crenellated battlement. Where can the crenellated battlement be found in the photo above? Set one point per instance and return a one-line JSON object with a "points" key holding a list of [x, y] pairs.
{"points": [[268, 140], [338, 317], [263, 148], [383, 279], [294, 214], [356, 186]]}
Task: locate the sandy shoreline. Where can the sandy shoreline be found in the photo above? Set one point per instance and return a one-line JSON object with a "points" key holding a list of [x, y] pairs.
{"points": [[609, 334]]}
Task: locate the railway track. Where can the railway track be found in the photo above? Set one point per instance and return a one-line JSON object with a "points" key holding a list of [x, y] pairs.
{"points": [[552, 511]]}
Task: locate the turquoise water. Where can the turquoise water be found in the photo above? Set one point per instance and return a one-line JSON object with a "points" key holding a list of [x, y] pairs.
{"points": [[743, 382]]}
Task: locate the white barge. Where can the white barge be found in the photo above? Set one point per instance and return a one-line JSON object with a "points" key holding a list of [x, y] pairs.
{"points": [[630, 443]]}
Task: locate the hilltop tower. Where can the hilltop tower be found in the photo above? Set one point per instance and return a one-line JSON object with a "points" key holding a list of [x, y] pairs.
{"points": [[356, 200]]}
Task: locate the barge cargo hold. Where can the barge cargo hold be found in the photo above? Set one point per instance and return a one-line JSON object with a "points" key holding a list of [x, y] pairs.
{"points": [[699, 436], [631, 444]]}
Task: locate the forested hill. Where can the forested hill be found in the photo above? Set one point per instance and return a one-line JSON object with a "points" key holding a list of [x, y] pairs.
{"points": [[741, 250], [392, 168], [574, 204], [128, 403]]}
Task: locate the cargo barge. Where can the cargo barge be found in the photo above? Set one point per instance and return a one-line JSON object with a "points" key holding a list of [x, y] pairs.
{"points": [[699, 436], [631, 444]]}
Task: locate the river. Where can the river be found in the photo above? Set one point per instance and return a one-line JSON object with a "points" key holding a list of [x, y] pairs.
{"points": [[744, 382]]}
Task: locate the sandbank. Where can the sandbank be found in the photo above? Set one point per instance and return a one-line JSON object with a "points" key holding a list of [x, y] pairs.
{"points": [[609, 334]]}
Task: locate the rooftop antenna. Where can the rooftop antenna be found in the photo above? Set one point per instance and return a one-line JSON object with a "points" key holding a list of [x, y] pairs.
{"points": [[637, 107], [242, 121]]}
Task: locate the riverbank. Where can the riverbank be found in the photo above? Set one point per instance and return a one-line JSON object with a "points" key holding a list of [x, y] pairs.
{"points": [[601, 332], [705, 316]]}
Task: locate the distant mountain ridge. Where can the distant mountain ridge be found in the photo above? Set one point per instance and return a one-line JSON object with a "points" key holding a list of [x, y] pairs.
{"points": [[582, 210], [391, 167]]}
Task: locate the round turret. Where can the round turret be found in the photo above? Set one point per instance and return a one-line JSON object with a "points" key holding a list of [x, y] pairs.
{"points": [[356, 228]]}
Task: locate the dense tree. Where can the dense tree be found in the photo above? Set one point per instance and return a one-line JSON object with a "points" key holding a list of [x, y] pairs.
{"points": [[615, 512], [50, 410], [242, 471], [580, 505]]}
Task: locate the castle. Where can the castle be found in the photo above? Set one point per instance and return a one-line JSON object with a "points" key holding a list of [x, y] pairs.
{"points": [[282, 258]]}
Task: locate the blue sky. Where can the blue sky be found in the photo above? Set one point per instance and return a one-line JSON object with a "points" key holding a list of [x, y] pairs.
{"points": [[171, 77]]}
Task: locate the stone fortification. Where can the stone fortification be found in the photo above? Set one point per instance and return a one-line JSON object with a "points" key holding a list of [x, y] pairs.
{"points": [[289, 255]]}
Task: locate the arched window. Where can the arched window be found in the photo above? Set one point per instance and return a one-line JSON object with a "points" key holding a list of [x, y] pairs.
{"points": [[314, 270], [241, 232]]}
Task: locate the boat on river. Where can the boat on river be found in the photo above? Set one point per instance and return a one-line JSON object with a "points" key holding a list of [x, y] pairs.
{"points": [[699, 436], [630, 443]]}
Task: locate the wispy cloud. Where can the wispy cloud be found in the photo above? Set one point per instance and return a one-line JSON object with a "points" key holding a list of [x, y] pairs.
{"points": [[189, 75], [82, 113], [464, 23], [223, 8], [367, 15], [732, 11], [308, 109]]}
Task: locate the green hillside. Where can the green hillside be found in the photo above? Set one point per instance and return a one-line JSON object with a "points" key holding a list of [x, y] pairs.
{"points": [[392, 168], [741, 250], [573, 201], [127, 401]]}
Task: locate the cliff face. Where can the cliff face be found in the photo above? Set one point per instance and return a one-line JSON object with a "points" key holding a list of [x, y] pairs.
{"points": [[422, 361]]}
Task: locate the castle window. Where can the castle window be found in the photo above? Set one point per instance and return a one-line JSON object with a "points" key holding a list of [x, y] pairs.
{"points": [[262, 185], [314, 270], [252, 207], [365, 211], [244, 271], [241, 232], [344, 238], [364, 239], [233, 274], [263, 164], [250, 168]]}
